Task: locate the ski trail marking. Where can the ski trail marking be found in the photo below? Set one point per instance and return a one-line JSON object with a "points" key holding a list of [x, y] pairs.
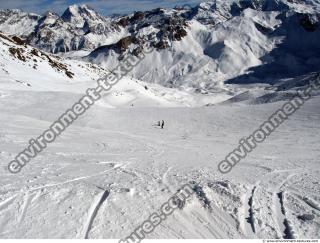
{"points": [[26, 201], [244, 214], [312, 203], [78, 179], [6, 202], [97, 203], [165, 179], [250, 218], [278, 209], [288, 234]]}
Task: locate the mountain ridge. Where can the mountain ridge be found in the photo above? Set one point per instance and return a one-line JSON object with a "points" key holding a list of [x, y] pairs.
{"points": [[202, 48]]}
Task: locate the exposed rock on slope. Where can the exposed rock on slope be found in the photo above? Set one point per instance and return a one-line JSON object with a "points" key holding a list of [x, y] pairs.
{"points": [[27, 65]]}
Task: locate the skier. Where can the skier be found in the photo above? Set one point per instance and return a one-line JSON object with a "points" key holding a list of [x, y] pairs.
{"points": [[162, 124]]}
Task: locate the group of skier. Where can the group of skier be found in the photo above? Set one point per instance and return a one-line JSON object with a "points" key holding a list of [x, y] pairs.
{"points": [[161, 124]]}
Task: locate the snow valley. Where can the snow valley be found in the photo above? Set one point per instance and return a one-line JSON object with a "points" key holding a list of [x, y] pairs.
{"points": [[195, 81]]}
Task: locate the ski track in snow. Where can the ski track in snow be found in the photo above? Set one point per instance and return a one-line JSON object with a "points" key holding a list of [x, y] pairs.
{"points": [[97, 203], [26, 201], [312, 203], [250, 219], [282, 227], [165, 179], [7, 202], [76, 179]]}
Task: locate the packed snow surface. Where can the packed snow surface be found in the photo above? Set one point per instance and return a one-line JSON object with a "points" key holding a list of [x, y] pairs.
{"points": [[122, 152], [114, 167]]}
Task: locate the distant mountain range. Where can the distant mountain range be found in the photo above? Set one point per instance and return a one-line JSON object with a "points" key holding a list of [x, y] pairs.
{"points": [[202, 49]]}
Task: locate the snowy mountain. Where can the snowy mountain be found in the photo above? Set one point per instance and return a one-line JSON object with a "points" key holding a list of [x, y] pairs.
{"points": [[79, 27], [79, 16], [28, 69], [221, 42], [217, 73], [199, 49], [16, 22]]}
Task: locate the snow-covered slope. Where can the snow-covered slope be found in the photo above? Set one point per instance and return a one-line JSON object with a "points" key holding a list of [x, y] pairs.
{"points": [[26, 68], [112, 169]]}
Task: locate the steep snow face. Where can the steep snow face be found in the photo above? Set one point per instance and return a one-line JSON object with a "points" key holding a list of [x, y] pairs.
{"points": [[48, 19], [297, 51], [78, 16], [214, 12]]}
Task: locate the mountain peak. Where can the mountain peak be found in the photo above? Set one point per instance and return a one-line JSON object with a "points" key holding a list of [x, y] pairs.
{"points": [[75, 8], [79, 14], [78, 10]]}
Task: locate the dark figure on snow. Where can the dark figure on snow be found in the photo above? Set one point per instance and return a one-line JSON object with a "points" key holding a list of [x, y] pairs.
{"points": [[162, 124]]}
